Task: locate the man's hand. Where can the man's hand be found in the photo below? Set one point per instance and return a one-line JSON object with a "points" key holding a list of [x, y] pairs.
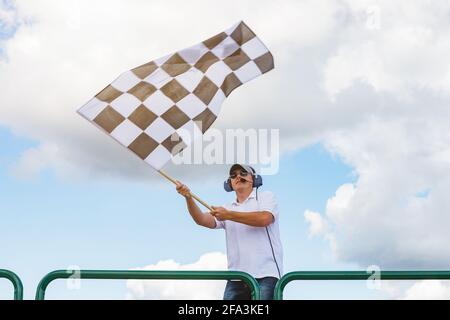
{"points": [[221, 213], [183, 190], [254, 218]]}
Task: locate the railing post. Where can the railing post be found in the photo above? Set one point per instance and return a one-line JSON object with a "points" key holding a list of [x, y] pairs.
{"points": [[356, 275], [17, 283], [147, 275]]}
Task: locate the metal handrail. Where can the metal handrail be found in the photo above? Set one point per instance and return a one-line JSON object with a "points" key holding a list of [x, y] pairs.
{"points": [[147, 274], [357, 275], [17, 283]]}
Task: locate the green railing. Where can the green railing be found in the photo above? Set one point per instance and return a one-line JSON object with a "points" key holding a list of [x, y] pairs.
{"points": [[147, 275], [356, 275], [14, 278], [218, 275]]}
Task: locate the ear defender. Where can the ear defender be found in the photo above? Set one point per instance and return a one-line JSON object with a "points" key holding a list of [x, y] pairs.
{"points": [[227, 186], [257, 181]]}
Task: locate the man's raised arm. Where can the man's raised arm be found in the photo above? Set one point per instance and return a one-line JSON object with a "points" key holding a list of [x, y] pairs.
{"points": [[200, 218]]}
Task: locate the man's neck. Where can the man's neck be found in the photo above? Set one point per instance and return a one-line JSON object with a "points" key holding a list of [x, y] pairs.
{"points": [[242, 195]]}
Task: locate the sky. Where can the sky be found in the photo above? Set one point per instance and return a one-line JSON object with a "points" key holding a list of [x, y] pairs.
{"points": [[359, 94]]}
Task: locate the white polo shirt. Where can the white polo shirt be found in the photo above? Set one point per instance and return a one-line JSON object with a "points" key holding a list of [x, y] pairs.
{"points": [[249, 248]]}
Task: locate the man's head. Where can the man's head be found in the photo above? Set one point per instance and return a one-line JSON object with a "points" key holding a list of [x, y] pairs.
{"points": [[241, 177]]}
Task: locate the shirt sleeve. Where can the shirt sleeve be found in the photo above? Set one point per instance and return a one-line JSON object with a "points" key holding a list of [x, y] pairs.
{"points": [[220, 224], [268, 202]]}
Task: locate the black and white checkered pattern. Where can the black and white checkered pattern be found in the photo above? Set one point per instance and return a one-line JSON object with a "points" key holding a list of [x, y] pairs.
{"points": [[147, 108]]}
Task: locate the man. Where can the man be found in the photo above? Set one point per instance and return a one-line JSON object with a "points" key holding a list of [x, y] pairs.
{"points": [[251, 224]]}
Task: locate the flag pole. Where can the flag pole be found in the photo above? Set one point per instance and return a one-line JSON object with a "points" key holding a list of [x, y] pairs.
{"points": [[165, 175]]}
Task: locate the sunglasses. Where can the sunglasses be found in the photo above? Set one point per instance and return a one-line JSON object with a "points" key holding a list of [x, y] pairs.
{"points": [[242, 174]]}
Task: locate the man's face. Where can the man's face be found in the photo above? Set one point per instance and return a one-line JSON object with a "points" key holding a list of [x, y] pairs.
{"points": [[241, 180]]}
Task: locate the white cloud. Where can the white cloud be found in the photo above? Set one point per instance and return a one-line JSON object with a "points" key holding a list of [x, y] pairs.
{"points": [[317, 223], [414, 290], [181, 289], [382, 219], [34, 160], [401, 54], [399, 148], [7, 18], [66, 52], [428, 290]]}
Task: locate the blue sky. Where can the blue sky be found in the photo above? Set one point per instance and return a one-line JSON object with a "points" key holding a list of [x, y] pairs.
{"points": [[50, 224], [6, 30]]}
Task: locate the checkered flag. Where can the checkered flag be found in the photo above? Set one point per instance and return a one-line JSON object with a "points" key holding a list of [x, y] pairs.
{"points": [[147, 108]]}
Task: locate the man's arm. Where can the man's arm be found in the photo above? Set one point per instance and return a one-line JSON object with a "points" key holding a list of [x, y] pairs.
{"points": [[254, 218], [200, 218]]}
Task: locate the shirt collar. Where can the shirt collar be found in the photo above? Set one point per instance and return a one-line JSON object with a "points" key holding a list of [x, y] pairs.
{"points": [[250, 196]]}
